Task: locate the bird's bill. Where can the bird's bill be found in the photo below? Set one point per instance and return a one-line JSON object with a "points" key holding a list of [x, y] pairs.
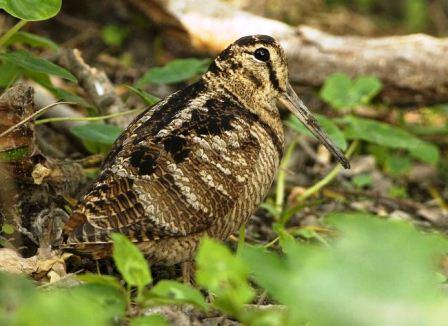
{"points": [[298, 108]]}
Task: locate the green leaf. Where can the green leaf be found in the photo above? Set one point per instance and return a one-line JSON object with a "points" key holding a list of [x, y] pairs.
{"points": [[327, 125], [29, 61], [223, 274], [97, 137], [112, 300], [152, 320], [398, 192], [15, 291], [7, 229], [167, 291], [81, 305], [8, 73], [114, 35], [376, 272], [61, 94], [31, 10], [341, 92], [397, 165], [175, 71], [149, 99], [362, 180], [106, 280], [130, 262], [32, 40], [390, 136], [13, 155]]}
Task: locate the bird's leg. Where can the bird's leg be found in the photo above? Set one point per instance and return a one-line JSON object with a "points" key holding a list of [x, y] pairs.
{"points": [[187, 271]]}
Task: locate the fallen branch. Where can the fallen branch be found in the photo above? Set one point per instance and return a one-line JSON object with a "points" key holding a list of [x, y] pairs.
{"points": [[413, 68], [97, 85]]}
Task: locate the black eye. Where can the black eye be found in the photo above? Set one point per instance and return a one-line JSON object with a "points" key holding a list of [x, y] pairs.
{"points": [[262, 54]]}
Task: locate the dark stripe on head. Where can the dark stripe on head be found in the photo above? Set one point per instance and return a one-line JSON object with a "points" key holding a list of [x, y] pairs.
{"points": [[255, 39], [273, 76]]}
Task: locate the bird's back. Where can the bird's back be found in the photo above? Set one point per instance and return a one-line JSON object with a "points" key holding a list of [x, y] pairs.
{"points": [[197, 163]]}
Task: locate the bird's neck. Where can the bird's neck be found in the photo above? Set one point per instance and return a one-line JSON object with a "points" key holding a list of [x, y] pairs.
{"points": [[255, 100]]}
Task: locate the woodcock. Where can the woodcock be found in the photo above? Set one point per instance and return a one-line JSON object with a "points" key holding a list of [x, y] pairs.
{"points": [[196, 164]]}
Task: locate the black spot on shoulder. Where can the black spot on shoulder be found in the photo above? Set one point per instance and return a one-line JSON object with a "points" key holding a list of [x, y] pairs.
{"points": [[175, 145], [165, 113], [215, 120], [144, 160]]}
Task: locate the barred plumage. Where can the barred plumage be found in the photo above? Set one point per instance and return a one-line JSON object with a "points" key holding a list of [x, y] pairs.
{"points": [[197, 163]]}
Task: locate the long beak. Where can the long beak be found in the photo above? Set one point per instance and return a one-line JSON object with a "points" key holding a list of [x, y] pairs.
{"points": [[298, 108]]}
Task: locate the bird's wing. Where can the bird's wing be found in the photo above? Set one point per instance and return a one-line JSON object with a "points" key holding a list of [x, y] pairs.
{"points": [[172, 173]]}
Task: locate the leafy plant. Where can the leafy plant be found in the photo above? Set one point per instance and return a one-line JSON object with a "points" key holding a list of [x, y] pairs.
{"points": [[224, 275], [342, 93], [97, 137], [389, 136], [175, 71], [329, 126], [31, 10], [28, 61], [358, 280]]}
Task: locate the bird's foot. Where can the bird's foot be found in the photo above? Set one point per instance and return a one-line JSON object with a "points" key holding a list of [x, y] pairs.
{"points": [[188, 271]]}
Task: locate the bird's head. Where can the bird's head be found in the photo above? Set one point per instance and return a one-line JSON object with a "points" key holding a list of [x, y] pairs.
{"points": [[255, 70]]}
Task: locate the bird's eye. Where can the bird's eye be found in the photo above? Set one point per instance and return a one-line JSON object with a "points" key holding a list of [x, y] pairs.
{"points": [[262, 54]]}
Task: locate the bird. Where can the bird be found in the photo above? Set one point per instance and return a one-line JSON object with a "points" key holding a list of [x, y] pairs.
{"points": [[196, 164]]}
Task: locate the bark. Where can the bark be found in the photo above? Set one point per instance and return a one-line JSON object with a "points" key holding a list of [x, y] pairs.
{"points": [[413, 68]]}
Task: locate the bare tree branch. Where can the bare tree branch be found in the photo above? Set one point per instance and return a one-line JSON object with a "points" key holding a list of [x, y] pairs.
{"points": [[413, 68]]}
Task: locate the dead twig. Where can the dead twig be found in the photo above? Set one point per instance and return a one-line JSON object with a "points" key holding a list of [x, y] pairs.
{"points": [[96, 84]]}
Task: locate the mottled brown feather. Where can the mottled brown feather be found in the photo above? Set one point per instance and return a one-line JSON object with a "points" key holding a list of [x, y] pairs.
{"points": [[197, 163]]}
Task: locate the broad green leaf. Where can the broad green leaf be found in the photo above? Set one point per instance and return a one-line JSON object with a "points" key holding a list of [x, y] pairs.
{"points": [[151, 320], [224, 274], [106, 280], [130, 262], [29, 61], [114, 35], [376, 272], [170, 292], [341, 92], [112, 300], [32, 40], [149, 99], [8, 73], [390, 136], [97, 137], [327, 125], [68, 307], [31, 10], [97, 132], [397, 165], [175, 71]]}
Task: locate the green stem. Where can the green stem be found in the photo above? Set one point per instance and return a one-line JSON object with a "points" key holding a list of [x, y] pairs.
{"points": [[280, 186], [329, 177], [11, 32], [102, 117]]}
